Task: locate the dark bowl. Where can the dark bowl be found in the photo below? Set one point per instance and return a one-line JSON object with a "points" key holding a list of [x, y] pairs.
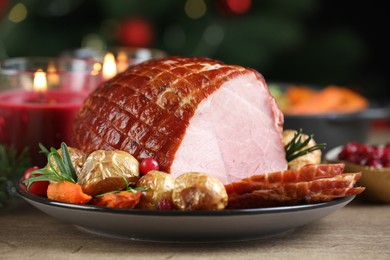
{"points": [[336, 129]]}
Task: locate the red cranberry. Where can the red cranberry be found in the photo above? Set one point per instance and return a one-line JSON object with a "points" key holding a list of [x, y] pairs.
{"points": [[148, 164], [367, 155], [374, 163], [165, 204]]}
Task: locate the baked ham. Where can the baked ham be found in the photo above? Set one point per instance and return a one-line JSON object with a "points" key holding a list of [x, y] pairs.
{"points": [[190, 114]]}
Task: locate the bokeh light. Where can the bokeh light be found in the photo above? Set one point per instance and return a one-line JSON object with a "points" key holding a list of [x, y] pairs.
{"points": [[239, 6], [18, 13], [195, 9]]}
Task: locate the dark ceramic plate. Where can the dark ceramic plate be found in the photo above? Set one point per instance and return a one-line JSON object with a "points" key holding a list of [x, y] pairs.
{"points": [[185, 226]]}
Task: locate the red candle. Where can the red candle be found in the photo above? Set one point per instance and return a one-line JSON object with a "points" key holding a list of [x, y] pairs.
{"points": [[28, 118]]}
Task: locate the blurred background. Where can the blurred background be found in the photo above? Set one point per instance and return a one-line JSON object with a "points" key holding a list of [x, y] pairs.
{"points": [[301, 41], [314, 42]]}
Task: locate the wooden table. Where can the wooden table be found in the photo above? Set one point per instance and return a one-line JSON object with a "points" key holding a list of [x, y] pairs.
{"points": [[357, 231]]}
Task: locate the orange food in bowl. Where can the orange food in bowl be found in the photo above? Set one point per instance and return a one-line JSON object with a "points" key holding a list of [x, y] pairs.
{"points": [[332, 99]]}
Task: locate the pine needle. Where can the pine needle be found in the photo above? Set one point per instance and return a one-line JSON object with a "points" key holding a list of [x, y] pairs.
{"points": [[12, 166]]}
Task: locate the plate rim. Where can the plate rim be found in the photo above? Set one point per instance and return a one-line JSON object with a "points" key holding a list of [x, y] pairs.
{"points": [[22, 192]]}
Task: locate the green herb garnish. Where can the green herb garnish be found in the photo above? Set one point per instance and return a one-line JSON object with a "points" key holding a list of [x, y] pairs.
{"points": [[127, 188], [59, 168], [295, 146]]}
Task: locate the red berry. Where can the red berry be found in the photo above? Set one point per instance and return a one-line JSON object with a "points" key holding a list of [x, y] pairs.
{"points": [[386, 152], [374, 163], [149, 164], [165, 204], [27, 173], [38, 187], [367, 155]]}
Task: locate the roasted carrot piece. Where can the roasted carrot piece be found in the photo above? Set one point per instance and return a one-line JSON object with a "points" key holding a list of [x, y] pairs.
{"points": [[67, 192], [123, 199]]}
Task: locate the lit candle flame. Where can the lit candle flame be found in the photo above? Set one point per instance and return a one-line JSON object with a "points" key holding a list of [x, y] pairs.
{"points": [[109, 66], [40, 81], [122, 61], [53, 78], [96, 69]]}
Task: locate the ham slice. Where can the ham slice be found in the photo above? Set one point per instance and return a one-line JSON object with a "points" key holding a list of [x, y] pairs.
{"points": [[308, 184], [273, 180], [190, 114]]}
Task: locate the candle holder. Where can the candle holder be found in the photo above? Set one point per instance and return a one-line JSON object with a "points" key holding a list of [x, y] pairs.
{"points": [[39, 99], [65, 72], [121, 57]]}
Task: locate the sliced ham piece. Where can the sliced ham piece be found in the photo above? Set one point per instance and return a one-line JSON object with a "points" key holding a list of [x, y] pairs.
{"points": [[273, 180], [190, 114], [308, 184]]}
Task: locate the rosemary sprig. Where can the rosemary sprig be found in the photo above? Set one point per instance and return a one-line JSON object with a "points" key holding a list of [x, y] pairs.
{"points": [[69, 168], [59, 168], [295, 146], [127, 188], [43, 149]]}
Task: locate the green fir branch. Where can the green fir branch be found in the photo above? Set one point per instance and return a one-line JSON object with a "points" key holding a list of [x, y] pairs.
{"points": [[12, 166]]}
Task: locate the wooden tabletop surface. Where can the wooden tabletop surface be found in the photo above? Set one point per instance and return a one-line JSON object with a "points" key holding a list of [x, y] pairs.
{"points": [[360, 230], [357, 231]]}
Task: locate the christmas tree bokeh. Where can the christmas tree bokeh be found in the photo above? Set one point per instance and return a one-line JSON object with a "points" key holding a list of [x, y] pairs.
{"points": [[302, 41]]}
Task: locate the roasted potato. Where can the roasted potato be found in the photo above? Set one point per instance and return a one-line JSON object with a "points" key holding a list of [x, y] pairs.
{"points": [[160, 186], [313, 157], [103, 171], [199, 191], [76, 156]]}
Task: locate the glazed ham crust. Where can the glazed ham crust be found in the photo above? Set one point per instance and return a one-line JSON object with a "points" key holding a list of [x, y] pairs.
{"points": [[147, 111]]}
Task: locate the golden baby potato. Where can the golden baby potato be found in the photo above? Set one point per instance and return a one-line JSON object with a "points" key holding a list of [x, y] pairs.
{"points": [[104, 171], [159, 187], [77, 158], [199, 191], [313, 157]]}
